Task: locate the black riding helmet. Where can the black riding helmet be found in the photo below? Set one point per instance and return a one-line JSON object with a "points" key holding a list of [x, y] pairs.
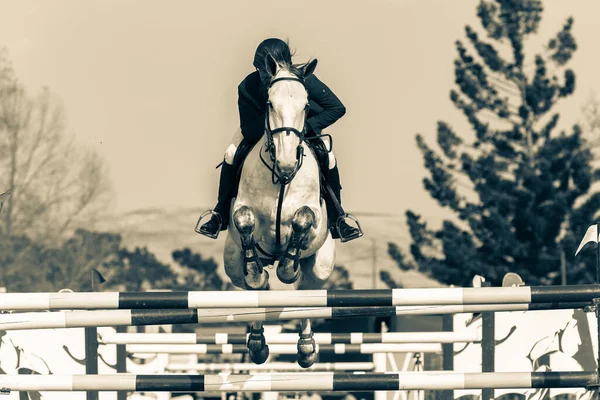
{"points": [[278, 49]]}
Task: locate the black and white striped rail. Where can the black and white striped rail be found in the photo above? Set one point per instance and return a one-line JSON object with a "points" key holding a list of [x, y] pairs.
{"points": [[76, 319], [298, 298], [289, 338], [302, 381], [365, 348]]}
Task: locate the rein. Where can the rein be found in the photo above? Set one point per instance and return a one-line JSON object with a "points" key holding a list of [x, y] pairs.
{"points": [[275, 175]]}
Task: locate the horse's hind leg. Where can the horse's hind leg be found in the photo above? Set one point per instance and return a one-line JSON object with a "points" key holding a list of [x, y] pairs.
{"points": [[315, 272], [256, 277], [234, 266], [288, 270], [307, 348], [257, 345]]}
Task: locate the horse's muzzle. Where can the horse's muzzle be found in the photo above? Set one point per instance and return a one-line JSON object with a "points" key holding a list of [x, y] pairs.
{"points": [[286, 174]]}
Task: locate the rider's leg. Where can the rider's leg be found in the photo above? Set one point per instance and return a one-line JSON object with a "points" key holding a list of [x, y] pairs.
{"points": [[219, 219], [336, 214]]}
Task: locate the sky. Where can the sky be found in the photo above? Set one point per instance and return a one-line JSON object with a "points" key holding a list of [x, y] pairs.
{"points": [[151, 85]]}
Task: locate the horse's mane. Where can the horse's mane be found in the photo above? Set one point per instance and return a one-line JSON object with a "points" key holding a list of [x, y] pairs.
{"points": [[300, 67], [294, 69]]}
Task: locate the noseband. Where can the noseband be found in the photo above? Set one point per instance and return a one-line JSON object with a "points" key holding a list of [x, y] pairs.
{"points": [[270, 145]]}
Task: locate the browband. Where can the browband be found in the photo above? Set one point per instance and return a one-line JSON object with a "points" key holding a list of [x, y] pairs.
{"points": [[286, 78]]}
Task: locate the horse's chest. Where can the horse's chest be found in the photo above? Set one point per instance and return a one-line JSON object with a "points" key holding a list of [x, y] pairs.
{"points": [[272, 209], [270, 206]]}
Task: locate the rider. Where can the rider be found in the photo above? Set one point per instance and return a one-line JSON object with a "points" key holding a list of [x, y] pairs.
{"points": [[325, 109]]}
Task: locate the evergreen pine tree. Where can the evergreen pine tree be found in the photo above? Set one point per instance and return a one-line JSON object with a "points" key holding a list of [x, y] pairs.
{"points": [[519, 189]]}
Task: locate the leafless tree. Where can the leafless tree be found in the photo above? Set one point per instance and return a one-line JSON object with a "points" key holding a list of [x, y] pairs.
{"points": [[55, 184]]}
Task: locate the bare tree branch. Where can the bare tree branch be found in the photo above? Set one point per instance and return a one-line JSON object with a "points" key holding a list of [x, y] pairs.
{"points": [[55, 184]]}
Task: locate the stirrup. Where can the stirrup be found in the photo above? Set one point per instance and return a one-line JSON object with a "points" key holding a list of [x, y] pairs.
{"points": [[351, 237], [202, 231]]}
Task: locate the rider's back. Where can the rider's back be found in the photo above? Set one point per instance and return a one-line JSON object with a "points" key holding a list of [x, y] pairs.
{"points": [[325, 107]]}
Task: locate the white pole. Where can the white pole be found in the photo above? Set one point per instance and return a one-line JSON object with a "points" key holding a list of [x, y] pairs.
{"points": [[367, 348], [77, 319], [292, 338], [300, 381], [379, 359], [274, 366]]}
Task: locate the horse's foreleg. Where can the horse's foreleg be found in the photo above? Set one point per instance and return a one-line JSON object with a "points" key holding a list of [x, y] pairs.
{"points": [[257, 345], [307, 348], [256, 277], [288, 270]]}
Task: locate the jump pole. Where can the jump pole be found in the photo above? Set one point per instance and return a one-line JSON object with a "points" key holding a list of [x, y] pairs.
{"points": [[298, 298], [488, 348], [367, 348], [303, 381], [292, 338], [108, 318], [275, 366], [448, 353], [121, 360]]}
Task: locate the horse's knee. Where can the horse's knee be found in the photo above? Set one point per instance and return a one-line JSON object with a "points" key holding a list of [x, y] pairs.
{"points": [[244, 220], [230, 153], [304, 219]]}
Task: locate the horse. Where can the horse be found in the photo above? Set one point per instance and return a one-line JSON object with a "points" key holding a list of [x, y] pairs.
{"points": [[278, 210]]}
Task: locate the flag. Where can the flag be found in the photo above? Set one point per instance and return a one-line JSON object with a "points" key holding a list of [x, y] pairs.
{"points": [[97, 278], [590, 236]]}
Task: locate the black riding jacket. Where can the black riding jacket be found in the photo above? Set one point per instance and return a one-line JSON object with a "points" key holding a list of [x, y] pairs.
{"points": [[325, 107]]}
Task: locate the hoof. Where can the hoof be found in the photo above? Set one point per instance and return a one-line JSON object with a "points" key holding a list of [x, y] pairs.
{"points": [[307, 360], [260, 282], [257, 346], [288, 271], [259, 356], [307, 346]]}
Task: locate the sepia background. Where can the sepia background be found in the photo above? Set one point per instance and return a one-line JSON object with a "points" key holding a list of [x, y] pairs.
{"points": [[149, 88]]}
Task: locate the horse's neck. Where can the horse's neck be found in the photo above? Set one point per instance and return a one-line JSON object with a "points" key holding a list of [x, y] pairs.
{"points": [[258, 158], [306, 177]]}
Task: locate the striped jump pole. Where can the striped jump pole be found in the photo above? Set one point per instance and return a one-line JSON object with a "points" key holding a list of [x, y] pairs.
{"points": [[292, 338], [298, 298], [78, 319], [366, 348], [275, 366], [302, 381]]}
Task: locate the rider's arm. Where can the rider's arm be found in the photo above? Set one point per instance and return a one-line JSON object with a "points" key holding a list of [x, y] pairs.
{"points": [[333, 109], [252, 122]]}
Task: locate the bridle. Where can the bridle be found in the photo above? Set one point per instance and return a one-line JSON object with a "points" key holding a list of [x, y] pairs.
{"points": [[276, 176], [270, 144], [276, 173]]}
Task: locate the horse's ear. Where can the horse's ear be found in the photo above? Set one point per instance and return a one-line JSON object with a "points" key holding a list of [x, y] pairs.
{"points": [[271, 65], [310, 68]]}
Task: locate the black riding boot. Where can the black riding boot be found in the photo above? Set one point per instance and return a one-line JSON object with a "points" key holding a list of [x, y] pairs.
{"points": [[220, 214], [335, 212]]}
